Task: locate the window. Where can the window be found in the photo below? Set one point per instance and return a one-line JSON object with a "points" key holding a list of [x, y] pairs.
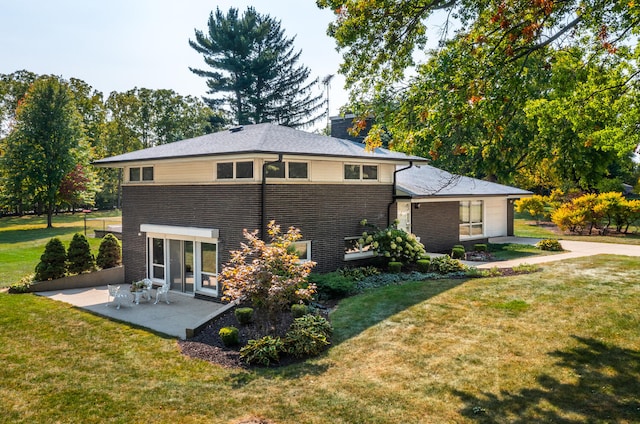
{"points": [[157, 258], [209, 266], [352, 172], [146, 172], [360, 172], [303, 250], [274, 170], [224, 171], [134, 174], [292, 170], [353, 249], [243, 170], [471, 219], [298, 170], [369, 172]]}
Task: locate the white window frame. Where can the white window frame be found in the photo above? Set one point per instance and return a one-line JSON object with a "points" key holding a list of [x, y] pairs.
{"points": [[307, 244], [361, 172], [141, 172], [286, 171], [364, 251], [470, 224], [235, 170]]}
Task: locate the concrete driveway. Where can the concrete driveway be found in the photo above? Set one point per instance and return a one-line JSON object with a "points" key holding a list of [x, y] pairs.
{"points": [[575, 249]]}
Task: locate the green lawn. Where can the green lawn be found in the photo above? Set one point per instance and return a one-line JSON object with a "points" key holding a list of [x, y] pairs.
{"points": [[22, 239], [560, 345]]}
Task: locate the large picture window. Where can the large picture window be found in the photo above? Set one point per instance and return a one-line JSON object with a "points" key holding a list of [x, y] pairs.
{"points": [[471, 217]]}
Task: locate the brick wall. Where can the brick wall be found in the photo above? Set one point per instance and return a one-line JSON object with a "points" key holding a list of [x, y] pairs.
{"points": [[437, 225], [324, 213]]}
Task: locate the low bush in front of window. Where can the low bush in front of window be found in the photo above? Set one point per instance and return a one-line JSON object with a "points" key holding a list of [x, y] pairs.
{"points": [[458, 252], [395, 267], [392, 243]]}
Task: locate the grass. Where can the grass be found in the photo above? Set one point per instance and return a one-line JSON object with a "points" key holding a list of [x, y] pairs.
{"points": [[22, 239], [528, 228], [559, 345]]}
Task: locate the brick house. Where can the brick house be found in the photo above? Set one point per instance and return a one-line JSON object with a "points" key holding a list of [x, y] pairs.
{"points": [[186, 203]]}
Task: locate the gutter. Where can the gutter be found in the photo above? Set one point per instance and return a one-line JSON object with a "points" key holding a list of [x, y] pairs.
{"points": [[263, 197], [394, 197]]}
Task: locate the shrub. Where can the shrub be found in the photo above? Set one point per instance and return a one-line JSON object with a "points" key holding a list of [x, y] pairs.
{"points": [[549, 244], [268, 274], [308, 336], [395, 267], [263, 351], [79, 257], [393, 243], [359, 273], [298, 310], [480, 247], [229, 336], [52, 262], [109, 252], [22, 286], [423, 265], [445, 265], [333, 285], [458, 252], [244, 315]]}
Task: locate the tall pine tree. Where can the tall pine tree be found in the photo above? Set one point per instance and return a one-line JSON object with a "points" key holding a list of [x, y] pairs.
{"points": [[256, 66]]}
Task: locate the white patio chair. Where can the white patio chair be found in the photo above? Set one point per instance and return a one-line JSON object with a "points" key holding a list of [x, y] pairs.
{"points": [[163, 290], [115, 295]]}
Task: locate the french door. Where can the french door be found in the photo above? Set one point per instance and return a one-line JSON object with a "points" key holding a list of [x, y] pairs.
{"points": [[181, 265], [188, 265]]}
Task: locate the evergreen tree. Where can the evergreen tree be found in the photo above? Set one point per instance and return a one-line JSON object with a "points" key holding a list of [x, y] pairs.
{"points": [[79, 257], [109, 253], [256, 64], [52, 263]]}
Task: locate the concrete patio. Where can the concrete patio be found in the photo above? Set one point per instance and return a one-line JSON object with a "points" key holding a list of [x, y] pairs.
{"points": [[180, 318]]}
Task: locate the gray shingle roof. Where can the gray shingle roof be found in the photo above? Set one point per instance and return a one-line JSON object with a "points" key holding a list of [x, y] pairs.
{"points": [[260, 138], [427, 181]]}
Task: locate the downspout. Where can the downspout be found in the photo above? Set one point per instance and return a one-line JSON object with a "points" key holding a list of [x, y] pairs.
{"points": [[394, 197], [263, 198]]}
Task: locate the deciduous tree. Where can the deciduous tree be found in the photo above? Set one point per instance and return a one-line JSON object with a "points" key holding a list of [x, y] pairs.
{"points": [[40, 150]]}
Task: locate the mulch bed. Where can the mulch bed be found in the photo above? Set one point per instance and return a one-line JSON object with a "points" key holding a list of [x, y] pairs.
{"points": [[208, 345]]}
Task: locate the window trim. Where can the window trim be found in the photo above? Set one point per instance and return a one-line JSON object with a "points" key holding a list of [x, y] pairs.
{"points": [[308, 248], [141, 174], [287, 175], [470, 224], [361, 176], [234, 170], [361, 254]]}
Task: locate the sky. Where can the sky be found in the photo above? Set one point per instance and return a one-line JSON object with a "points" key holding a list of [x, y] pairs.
{"points": [[117, 45]]}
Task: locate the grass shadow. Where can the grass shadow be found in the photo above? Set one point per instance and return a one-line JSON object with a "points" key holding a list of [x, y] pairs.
{"points": [[607, 390], [355, 314]]}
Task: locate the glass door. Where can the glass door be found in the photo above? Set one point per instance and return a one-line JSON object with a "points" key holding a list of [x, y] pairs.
{"points": [[181, 265]]}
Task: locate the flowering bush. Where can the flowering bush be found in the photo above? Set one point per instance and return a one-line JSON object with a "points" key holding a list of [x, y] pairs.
{"points": [[392, 243], [268, 275]]}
